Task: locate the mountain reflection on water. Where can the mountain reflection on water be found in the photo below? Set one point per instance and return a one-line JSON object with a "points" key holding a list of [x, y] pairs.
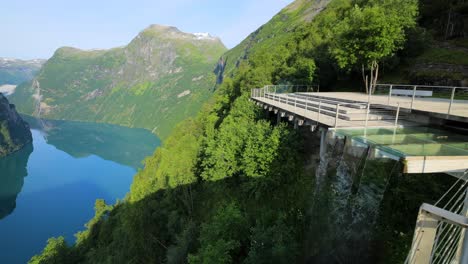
{"points": [[13, 169], [126, 146]]}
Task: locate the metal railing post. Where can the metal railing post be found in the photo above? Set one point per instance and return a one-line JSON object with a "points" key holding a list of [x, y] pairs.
{"points": [[336, 116], [397, 115], [305, 109], [390, 94], [451, 101], [462, 251], [367, 118], [319, 108], [414, 95]]}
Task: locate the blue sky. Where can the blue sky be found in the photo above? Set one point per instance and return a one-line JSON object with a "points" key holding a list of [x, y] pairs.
{"points": [[35, 29]]}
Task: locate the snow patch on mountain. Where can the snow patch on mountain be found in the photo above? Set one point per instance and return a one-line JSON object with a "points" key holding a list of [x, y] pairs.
{"points": [[203, 36]]}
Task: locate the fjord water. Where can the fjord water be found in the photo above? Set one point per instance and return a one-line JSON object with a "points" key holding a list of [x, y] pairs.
{"points": [[49, 188]]}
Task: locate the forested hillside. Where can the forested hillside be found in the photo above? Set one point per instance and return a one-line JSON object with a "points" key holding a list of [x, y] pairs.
{"points": [[161, 77], [231, 186]]}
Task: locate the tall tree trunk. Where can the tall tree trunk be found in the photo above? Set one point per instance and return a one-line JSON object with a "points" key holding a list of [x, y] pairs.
{"points": [[448, 24], [376, 76], [364, 78], [371, 81]]}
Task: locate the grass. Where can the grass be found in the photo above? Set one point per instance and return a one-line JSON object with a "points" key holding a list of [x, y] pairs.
{"points": [[441, 55], [461, 42]]}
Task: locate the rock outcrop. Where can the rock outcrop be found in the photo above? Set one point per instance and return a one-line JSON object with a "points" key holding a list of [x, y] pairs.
{"points": [[14, 131]]}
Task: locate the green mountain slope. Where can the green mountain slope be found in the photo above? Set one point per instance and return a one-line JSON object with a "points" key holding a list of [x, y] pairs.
{"points": [[14, 71], [161, 77], [276, 32]]}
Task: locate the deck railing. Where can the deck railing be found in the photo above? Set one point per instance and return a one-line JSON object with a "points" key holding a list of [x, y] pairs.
{"points": [[283, 95], [440, 233], [448, 100]]}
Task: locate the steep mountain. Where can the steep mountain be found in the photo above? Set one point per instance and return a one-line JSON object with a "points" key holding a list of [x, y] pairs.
{"points": [[15, 71], [278, 30], [14, 132], [161, 77]]}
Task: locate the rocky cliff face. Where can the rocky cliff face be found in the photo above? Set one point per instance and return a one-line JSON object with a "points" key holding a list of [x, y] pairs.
{"points": [[14, 132]]}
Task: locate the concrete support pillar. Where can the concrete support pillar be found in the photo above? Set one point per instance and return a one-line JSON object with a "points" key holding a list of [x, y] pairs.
{"points": [[323, 141], [278, 118], [296, 125]]}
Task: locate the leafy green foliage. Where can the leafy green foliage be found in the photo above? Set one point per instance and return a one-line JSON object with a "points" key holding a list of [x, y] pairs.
{"points": [[274, 241], [55, 252], [369, 34], [222, 236]]}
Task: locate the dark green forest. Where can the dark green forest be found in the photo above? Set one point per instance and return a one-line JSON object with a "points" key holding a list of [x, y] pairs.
{"points": [[233, 186]]}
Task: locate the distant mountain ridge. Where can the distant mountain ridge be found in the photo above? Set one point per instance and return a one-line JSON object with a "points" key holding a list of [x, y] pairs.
{"points": [[161, 77], [15, 71]]}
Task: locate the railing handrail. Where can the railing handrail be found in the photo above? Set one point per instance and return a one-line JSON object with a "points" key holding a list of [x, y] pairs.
{"points": [[342, 104], [286, 85], [423, 86], [445, 216]]}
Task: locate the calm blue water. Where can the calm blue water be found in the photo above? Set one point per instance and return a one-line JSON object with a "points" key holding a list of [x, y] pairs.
{"points": [[49, 189]]}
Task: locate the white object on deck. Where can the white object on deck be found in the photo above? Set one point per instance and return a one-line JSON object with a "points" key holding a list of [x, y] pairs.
{"points": [[418, 93]]}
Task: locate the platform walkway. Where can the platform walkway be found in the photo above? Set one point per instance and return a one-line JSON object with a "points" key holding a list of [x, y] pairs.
{"points": [[331, 113], [426, 104]]}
